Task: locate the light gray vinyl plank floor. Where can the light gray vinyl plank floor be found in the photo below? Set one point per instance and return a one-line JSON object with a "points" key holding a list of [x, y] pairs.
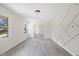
{"points": [[37, 47]]}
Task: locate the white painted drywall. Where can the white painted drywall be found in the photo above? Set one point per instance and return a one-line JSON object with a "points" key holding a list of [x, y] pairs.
{"points": [[33, 27], [63, 31], [16, 30]]}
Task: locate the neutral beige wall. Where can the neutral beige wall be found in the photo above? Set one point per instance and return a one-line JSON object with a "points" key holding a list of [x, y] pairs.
{"points": [[16, 30]]}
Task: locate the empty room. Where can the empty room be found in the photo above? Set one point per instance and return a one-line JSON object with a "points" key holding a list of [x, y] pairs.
{"points": [[39, 29]]}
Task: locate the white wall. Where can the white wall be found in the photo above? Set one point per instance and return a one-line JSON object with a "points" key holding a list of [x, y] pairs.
{"points": [[33, 27], [66, 31], [46, 29], [16, 30]]}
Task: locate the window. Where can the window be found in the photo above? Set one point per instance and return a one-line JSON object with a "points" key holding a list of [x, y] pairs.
{"points": [[3, 26]]}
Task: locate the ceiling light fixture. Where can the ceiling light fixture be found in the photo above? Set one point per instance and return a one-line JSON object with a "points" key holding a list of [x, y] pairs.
{"points": [[37, 11]]}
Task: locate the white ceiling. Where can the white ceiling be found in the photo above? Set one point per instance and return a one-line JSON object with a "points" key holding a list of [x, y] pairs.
{"points": [[48, 11]]}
